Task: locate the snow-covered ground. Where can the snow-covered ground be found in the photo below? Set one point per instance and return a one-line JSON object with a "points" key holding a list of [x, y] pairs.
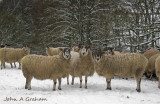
{"points": [[123, 91]]}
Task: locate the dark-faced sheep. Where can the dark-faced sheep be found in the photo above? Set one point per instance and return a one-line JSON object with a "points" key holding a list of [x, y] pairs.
{"points": [[46, 67], [127, 65], [55, 51]]}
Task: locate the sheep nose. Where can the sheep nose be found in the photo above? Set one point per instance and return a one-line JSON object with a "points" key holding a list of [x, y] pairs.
{"points": [[67, 56], [83, 53]]}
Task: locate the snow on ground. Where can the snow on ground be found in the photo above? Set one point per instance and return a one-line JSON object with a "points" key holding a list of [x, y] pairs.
{"points": [[123, 91]]}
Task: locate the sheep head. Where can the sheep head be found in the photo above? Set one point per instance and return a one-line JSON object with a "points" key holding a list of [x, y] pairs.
{"points": [[66, 52], [84, 50], [26, 50], [109, 50], [98, 55]]}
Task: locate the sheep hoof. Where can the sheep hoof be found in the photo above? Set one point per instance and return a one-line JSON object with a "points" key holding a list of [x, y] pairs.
{"points": [[138, 90], [80, 87], [86, 87], [29, 88], [26, 87], [54, 89], [108, 88], [72, 83], [159, 87], [67, 83], [59, 88]]}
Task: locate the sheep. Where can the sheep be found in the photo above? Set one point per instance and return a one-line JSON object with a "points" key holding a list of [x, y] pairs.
{"points": [[74, 62], [46, 67], [157, 67], [125, 52], [13, 55], [53, 51], [83, 65], [149, 53], [124, 65], [150, 69]]}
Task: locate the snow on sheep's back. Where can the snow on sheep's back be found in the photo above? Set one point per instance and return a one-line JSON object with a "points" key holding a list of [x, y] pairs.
{"points": [[12, 91]]}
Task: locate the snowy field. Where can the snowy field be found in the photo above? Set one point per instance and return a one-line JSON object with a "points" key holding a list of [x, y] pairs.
{"points": [[123, 91]]}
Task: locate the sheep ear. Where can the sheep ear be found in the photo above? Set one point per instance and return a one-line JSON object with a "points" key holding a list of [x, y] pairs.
{"points": [[47, 47], [61, 49], [80, 45]]}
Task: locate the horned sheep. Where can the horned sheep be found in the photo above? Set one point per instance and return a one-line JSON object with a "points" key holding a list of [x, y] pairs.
{"points": [[55, 51], [12, 55], [123, 65], [83, 65], [46, 67]]}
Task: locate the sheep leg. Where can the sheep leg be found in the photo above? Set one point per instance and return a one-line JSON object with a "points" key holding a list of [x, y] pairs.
{"points": [[14, 65], [11, 65], [19, 65], [54, 87], [68, 80], [86, 81], [3, 65], [26, 87], [72, 80], [59, 86], [159, 83], [151, 76], [138, 84], [108, 84], [28, 82], [80, 82]]}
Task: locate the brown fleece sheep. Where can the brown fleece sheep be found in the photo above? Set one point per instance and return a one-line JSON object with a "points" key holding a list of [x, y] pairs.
{"points": [[74, 62], [53, 51], [157, 66], [150, 69], [125, 52], [12, 55], [46, 67], [149, 53], [84, 65], [124, 65]]}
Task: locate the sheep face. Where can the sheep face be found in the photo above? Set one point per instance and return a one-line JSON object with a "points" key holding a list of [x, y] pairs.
{"points": [[84, 50], [98, 55], [66, 53], [26, 50]]}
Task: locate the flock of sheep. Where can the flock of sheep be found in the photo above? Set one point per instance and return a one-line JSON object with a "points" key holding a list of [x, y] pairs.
{"points": [[82, 61]]}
